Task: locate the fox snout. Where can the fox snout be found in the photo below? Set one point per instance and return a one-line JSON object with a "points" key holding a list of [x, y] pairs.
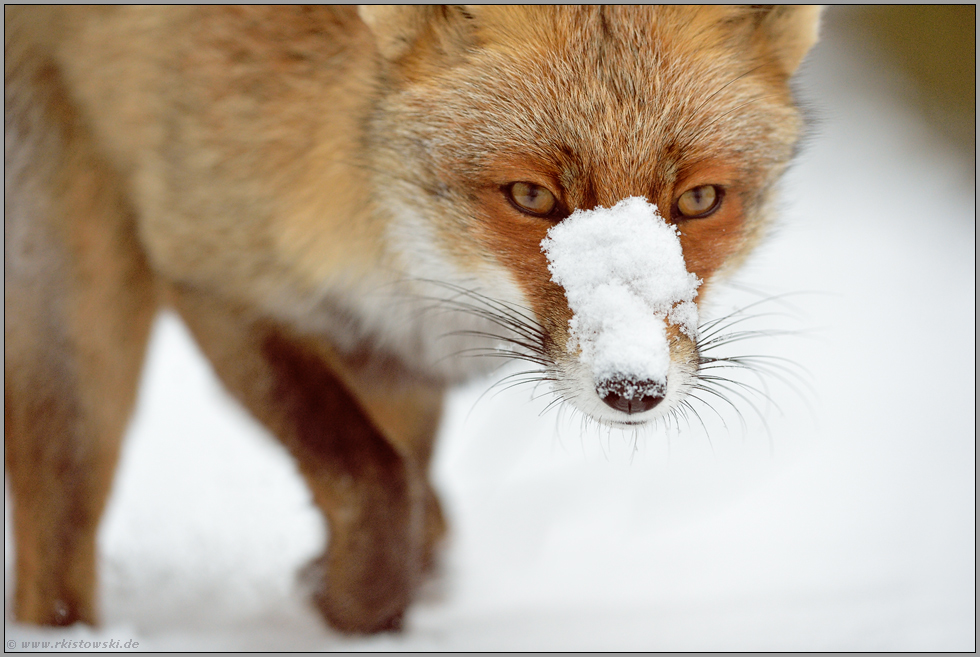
{"points": [[624, 397], [631, 303]]}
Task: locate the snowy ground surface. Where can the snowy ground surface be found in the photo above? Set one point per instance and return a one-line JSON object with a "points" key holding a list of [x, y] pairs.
{"points": [[846, 526]]}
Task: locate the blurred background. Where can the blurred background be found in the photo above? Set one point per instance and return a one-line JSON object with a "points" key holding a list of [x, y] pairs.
{"points": [[835, 510], [934, 46]]}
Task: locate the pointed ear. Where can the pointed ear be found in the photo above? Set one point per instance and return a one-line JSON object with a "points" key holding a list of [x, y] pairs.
{"points": [[789, 31], [397, 28]]}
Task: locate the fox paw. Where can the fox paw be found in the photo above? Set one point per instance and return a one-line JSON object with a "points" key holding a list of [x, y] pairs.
{"points": [[355, 610]]}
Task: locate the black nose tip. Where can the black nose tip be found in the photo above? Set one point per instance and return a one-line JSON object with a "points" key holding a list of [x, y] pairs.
{"points": [[631, 396]]}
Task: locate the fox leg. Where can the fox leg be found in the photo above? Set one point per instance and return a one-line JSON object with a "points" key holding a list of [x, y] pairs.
{"points": [[407, 412], [78, 303], [371, 488]]}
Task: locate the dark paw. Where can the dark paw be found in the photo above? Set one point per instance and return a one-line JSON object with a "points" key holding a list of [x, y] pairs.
{"points": [[355, 609]]}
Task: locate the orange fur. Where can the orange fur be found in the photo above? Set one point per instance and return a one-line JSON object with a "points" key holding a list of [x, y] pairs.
{"points": [[318, 192]]}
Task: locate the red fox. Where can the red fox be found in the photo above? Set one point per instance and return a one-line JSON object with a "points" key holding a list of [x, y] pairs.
{"points": [[342, 204]]}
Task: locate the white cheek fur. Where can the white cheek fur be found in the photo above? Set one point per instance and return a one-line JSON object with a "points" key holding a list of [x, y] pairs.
{"points": [[417, 310]]}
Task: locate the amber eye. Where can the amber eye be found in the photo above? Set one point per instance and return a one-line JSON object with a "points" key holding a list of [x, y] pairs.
{"points": [[699, 202], [531, 198]]}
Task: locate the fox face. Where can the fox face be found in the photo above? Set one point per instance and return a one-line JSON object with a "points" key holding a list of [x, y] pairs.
{"points": [[501, 122]]}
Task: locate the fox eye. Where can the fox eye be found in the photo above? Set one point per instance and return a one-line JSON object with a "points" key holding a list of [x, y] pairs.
{"points": [[699, 202], [531, 198]]}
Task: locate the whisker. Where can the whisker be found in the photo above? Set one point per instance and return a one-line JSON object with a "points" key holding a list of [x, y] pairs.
{"points": [[725, 399], [489, 352], [687, 404], [533, 348], [506, 331], [528, 332], [714, 410], [507, 309], [722, 381], [775, 298]]}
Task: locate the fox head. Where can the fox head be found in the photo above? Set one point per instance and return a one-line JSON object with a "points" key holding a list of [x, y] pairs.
{"points": [[494, 124]]}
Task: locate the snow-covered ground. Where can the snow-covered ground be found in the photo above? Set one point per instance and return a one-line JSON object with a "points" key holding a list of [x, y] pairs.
{"points": [[845, 522]]}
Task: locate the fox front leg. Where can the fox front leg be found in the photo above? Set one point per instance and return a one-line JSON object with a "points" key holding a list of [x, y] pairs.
{"points": [[373, 495], [372, 498]]}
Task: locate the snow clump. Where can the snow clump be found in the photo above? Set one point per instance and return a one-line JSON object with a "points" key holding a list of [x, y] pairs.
{"points": [[624, 274]]}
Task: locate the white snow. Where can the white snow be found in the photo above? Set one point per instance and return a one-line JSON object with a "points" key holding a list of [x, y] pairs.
{"points": [[623, 272], [849, 526]]}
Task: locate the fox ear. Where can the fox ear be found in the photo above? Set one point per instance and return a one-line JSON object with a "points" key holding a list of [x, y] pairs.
{"points": [[789, 31], [397, 28]]}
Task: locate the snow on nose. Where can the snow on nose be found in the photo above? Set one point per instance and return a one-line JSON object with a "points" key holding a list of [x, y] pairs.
{"points": [[624, 276]]}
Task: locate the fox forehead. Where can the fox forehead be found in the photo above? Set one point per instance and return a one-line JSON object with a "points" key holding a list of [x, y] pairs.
{"points": [[622, 96]]}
